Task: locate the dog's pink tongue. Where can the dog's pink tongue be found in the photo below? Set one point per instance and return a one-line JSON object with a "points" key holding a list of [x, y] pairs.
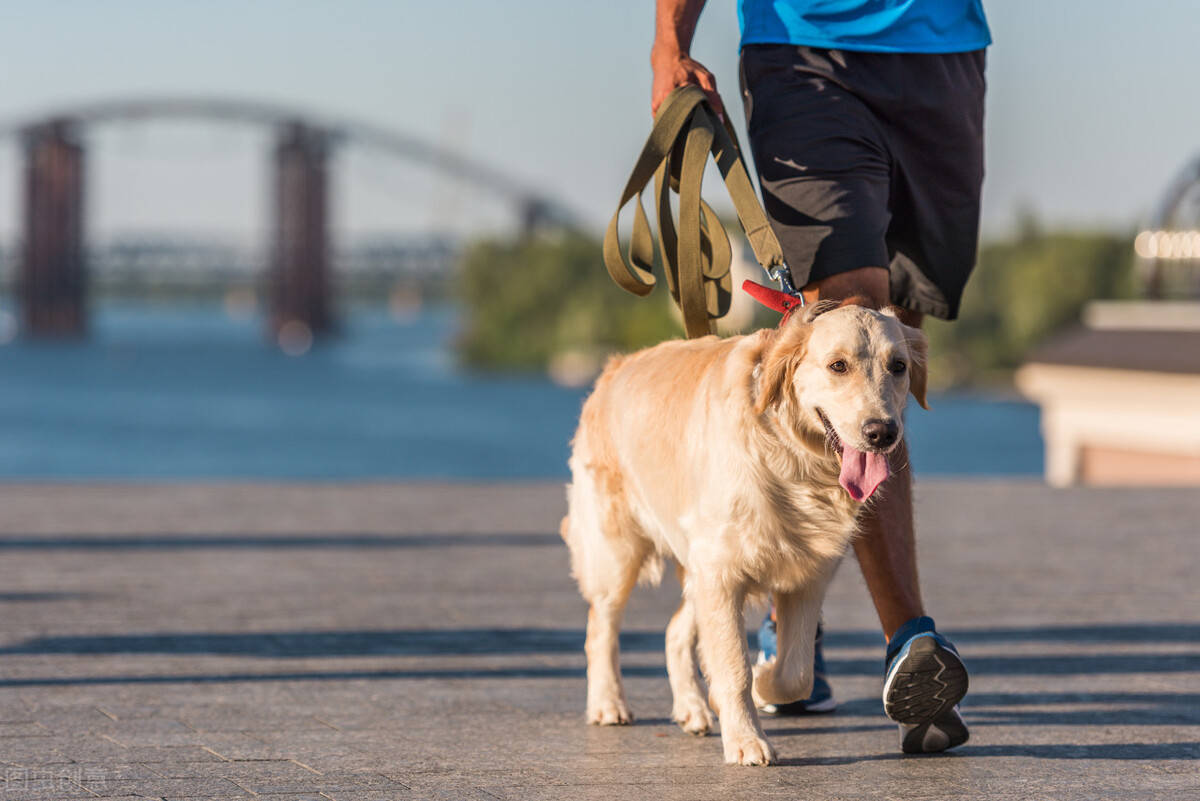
{"points": [[862, 473]]}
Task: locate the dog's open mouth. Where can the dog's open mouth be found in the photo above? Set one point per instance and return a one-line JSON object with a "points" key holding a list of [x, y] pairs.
{"points": [[831, 437], [862, 471]]}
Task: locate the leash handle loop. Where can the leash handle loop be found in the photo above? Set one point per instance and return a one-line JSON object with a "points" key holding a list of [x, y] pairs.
{"points": [[696, 253]]}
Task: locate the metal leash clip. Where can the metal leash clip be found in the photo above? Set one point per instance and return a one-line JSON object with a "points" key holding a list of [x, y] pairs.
{"points": [[783, 275]]}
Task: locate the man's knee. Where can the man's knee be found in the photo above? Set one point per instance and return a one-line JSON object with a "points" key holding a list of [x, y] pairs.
{"points": [[868, 282], [871, 283]]}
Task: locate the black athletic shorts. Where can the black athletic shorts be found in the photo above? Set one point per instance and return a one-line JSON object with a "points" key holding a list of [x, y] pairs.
{"points": [[871, 160]]}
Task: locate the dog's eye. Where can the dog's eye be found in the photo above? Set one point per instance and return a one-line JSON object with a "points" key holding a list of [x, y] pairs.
{"points": [[897, 367], [838, 367]]}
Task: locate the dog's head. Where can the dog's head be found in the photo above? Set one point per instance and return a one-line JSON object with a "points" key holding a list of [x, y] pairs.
{"points": [[838, 377]]}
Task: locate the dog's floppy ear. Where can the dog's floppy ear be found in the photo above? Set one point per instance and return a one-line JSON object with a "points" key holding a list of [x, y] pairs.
{"points": [[778, 363], [918, 358]]}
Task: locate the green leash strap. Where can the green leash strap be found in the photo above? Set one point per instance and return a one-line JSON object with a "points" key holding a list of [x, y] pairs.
{"points": [[696, 253]]}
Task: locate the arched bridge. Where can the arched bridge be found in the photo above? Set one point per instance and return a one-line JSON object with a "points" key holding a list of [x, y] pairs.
{"points": [[52, 280], [1168, 248]]}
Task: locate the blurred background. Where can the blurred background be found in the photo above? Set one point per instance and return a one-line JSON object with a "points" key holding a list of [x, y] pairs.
{"points": [[294, 240]]}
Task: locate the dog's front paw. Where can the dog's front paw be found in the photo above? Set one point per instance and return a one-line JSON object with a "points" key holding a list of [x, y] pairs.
{"points": [[693, 716], [748, 750], [612, 712]]}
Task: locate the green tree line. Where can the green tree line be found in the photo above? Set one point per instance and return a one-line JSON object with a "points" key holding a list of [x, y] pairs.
{"points": [[527, 302]]}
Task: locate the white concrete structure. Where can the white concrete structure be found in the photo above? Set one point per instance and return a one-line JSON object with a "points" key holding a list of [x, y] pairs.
{"points": [[1121, 399]]}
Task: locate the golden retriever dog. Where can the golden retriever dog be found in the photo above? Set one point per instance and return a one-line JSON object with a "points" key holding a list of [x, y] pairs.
{"points": [[746, 460]]}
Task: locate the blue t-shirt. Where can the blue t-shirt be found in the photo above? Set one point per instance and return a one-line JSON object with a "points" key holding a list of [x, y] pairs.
{"points": [[886, 26]]}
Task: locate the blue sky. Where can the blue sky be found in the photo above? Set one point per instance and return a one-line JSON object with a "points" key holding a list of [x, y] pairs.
{"points": [[1091, 102]]}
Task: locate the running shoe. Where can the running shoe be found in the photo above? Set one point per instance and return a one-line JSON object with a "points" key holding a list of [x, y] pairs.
{"points": [[925, 680]]}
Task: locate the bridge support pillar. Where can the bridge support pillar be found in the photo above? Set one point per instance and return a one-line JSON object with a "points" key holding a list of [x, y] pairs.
{"points": [[299, 272], [52, 282], [533, 216]]}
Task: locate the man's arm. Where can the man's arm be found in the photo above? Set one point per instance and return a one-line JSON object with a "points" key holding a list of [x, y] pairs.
{"points": [[674, 26]]}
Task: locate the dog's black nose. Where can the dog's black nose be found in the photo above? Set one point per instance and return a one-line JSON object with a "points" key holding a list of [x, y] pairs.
{"points": [[880, 433]]}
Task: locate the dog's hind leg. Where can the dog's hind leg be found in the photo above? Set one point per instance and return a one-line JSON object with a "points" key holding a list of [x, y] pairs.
{"points": [[789, 676], [606, 704], [615, 574], [690, 710], [607, 554]]}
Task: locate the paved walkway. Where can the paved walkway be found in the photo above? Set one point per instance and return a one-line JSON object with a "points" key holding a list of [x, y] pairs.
{"points": [[393, 642]]}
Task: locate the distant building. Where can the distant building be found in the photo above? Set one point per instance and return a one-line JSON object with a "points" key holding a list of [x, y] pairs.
{"points": [[1120, 396]]}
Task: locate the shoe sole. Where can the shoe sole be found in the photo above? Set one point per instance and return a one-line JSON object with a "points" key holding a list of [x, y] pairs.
{"points": [[823, 707], [924, 684], [934, 736]]}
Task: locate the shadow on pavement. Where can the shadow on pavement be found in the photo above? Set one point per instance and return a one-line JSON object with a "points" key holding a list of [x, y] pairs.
{"points": [[366, 642], [38, 597], [985, 708], [1034, 709], [533, 640], [1122, 751], [1094, 633], [188, 541], [326, 675]]}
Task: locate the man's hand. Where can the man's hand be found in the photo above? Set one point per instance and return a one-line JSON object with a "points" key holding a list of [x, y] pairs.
{"points": [[674, 25], [678, 69]]}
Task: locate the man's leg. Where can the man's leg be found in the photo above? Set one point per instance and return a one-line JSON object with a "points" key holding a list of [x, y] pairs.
{"points": [[887, 553], [825, 143], [925, 677]]}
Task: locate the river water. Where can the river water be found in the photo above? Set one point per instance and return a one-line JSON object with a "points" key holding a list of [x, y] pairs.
{"points": [[189, 392]]}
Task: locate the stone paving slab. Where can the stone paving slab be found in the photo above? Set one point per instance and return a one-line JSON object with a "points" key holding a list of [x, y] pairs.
{"points": [[424, 641]]}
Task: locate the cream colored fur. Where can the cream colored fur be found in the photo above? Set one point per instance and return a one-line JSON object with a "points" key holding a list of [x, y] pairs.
{"points": [[711, 452]]}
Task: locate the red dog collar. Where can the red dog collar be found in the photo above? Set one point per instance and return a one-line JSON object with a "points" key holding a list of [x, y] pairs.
{"points": [[773, 299]]}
